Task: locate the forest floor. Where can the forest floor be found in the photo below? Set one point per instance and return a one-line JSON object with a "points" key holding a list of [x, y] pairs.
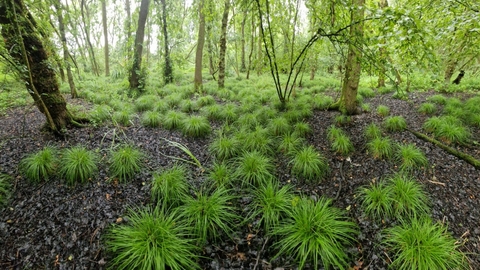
{"points": [[53, 226]]}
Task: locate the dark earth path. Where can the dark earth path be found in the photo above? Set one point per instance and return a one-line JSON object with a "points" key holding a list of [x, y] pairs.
{"points": [[52, 226]]}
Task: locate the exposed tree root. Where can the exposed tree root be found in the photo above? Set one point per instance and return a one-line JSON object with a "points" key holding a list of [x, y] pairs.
{"points": [[467, 158]]}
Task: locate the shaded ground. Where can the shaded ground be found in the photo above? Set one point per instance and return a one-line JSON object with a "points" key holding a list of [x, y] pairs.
{"points": [[51, 226]]}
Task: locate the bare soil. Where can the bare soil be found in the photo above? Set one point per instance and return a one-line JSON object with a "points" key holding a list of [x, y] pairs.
{"points": [[52, 226]]}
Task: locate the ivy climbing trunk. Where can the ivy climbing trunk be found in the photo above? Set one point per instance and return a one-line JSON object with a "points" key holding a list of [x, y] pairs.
{"points": [[19, 27], [135, 72], [223, 46], [348, 99]]}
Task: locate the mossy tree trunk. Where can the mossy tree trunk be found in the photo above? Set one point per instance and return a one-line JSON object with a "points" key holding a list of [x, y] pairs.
{"points": [[168, 69], [135, 72], [223, 46], [24, 43], [348, 99], [198, 80]]}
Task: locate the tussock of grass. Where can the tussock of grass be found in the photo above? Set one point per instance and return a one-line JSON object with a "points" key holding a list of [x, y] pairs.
{"points": [[253, 168], [410, 157], [40, 166], [381, 148], [395, 123], [125, 162], [309, 164], [78, 165], [170, 187], [196, 126]]}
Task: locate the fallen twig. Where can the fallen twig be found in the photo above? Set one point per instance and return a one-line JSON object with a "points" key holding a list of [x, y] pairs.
{"points": [[260, 252]]}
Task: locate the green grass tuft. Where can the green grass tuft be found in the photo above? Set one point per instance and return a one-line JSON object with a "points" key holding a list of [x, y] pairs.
{"points": [[173, 119], [151, 119], [342, 145], [253, 168], [78, 164], [302, 129], [279, 126], [408, 196], [196, 126], [383, 110], [221, 174], [427, 108], [40, 166], [290, 143], [377, 201], [125, 162], [316, 233], [381, 148], [395, 123], [170, 187], [152, 239], [309, 164], [224, 147], [423, 245], [410, 157], [372, 131]]}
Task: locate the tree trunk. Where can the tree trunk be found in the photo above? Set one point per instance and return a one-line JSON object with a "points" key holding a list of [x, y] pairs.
{"points": [[259, 52], [211, 67], [348, 99], [199, 54], [86, 29], [243, 66], [167, 69], [18, 27], [449, 71], [135, 72], [128, 32], [105, 35], [382, 54], [66, 54], [252, 48], [223, 46]]}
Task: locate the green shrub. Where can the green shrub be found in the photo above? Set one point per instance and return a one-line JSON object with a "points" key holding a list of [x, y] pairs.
{"points": [[40, 166], [78, 164], [423, 245], [173, 119], [453, 133], [272, 204], [196, 126], [309, 164], [125, 162], [170, 187], [316, 232], [395, 123], [210, 213], [410, 157], [152, 239], [383, 110], [253, 168], [381, 148]]}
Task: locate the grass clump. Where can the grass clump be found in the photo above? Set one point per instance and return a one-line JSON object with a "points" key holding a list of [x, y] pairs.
{"points": [[151, 119], [377, 201], [196, 126], [40, 166], [214, 112], [410, 157], [302, 129], [334, 132], [224, 147], [309, 164], [256, 140], [78, 165], [220, 174], [101, 113], [438, 99], [145, 103], [395, 123], [342, 119], [253, 168], [170, 187], [316, 233], [342, 145], [381, 148], [272, 203], [423, 245], [408, 196], [210, 213], [173, 119], [383, 110], [123, 117], [290, 143], [152, 239], [125, 162], [279, 126], [427, 108], [4, 188], [372, 131]]}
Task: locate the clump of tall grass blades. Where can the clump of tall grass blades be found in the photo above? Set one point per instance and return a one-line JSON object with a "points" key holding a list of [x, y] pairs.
{"points": [[272, 203], [381, 148], [224, 147], [151, 119], [220, 174], [395, 123], [40, 166], [290, 143], [316, 233], [372, 131], [427, 108], [210, 213], [342, 145], [408, 197], [196, 126], [170, 186], [309, 164], [410, 157], [78, 164], [173, 119], [377, 200], [152, 239], [279, 126], [125, 162], [383, 110], [423, 245], [253, 168]]}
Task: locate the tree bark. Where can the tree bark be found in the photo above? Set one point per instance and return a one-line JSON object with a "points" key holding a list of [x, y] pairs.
{"points": [[167, 69], [348, 99], [223, 46], [449, 71], [18, 27], [86, 29], [197, 81], [66, 54], [105, 35], [128, 33], [243, 66], [135, 72]]}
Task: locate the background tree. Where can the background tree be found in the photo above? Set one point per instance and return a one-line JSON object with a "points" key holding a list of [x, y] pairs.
{"points": [[105, 36], [198, 80], [136, 72], [223, 45], [167, 69]]}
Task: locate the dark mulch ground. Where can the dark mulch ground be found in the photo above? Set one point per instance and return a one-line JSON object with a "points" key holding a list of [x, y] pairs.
{"points": [[52, 226]]}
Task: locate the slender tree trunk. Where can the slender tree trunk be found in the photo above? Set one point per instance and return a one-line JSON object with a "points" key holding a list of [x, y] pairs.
{"points": [[382, 54], [259, 52], [348, 98], [18, 27], [252, 48], [128, 32], [63, 39], [211, 67], [449, 71], [135, 72], [105, 35], [167, 69], [243, 67], [223, 46], [86, 28], [199, 54]]}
